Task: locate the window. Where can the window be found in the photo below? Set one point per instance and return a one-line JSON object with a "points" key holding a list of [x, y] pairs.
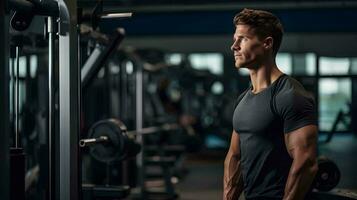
{"points": [[334, 96], [353, 65], [334, 66], [310, 63], [33, 65], [174, 58], [304, 64], [207, 61]]}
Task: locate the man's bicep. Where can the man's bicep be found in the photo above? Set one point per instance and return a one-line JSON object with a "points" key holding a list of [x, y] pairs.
{"points": [[302, 141]]}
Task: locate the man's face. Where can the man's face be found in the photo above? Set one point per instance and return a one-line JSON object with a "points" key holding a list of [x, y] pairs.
{"points": [[247, 48]]}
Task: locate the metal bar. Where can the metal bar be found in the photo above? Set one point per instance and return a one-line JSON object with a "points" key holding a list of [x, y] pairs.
{"points": [[79, 107], [100, 57], [91, 141], [13, 88], [116, 15], [69, 183], [137, 133], [86, 69], [46, 8], [17, 92], [154, 129], [51, 110], [107, 91], [139, 124], [4, 103]]}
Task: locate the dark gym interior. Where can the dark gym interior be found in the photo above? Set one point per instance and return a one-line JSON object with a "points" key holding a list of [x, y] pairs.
{"points": [[133, 99]]}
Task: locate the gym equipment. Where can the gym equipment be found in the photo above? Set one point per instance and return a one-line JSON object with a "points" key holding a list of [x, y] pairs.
{"points": [[97, 15], [67, 170], [17, 155], [337, 194], [328, 175], [109, 139], [26, 10], [51, 105], [341, 118], [99, 57], [109, 142], [104, 192], [17, 174], [68, 74]]}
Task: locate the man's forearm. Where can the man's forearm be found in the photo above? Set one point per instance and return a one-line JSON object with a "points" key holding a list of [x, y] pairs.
{"points": [[232, 180], [299, 180]]}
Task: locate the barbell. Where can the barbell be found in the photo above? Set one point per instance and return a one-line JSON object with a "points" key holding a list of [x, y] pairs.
{"points": [[110, 140]]}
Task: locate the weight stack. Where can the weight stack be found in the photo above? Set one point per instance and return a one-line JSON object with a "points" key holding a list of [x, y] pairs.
{"points": [[17, 174]]}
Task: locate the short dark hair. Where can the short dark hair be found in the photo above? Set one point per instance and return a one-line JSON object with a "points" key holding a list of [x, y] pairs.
{"points": [[264, 23]]}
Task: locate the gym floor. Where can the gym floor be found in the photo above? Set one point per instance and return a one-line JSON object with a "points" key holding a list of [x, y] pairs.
{"points": [[204, 180]]}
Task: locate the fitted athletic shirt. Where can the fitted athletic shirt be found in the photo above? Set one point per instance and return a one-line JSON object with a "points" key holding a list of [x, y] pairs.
{"points": [[261, 120]]}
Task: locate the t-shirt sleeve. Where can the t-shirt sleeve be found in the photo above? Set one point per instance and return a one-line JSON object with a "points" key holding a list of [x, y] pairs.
{"points": [[297, 109]]}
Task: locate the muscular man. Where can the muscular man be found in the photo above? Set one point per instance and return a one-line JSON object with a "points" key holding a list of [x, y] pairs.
{"points": [[272, 154]]}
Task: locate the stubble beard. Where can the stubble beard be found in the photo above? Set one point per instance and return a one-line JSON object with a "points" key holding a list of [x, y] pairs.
{"points": [[240, 64], [248, 64]]}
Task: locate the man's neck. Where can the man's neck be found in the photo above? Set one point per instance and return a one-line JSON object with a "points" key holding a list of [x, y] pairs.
{"points": [[264, 76]]}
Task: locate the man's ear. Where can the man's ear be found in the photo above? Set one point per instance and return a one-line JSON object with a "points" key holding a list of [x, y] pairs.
{"points": [[268, 43]]}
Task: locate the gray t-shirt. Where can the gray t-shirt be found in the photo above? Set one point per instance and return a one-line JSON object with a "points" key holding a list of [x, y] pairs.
{"points": [[261, 122]]}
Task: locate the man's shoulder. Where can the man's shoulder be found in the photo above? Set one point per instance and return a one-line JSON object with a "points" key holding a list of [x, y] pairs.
{"points": [[290, 86], [290, 90]]}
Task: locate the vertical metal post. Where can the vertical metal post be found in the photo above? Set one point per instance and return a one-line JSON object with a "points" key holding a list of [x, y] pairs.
{"points": [[51, 110], [108, 91], [12, 94], [17, 96], [139, 125], [79, 108], [69, 183], [4, 103]]}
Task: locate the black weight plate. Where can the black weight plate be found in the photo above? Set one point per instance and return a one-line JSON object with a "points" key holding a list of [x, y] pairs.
{"points": [[328, 175], [112, 150], [124, 139]]}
